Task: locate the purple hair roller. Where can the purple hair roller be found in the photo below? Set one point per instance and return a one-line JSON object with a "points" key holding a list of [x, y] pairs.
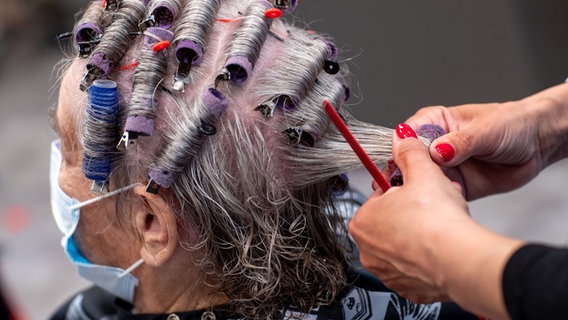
{"points": [[286, 6], [98, 67], [428, 131], [215, 102], [87, 35], [188, 53], [239, 68], [163, 178], [164, 14], [139, 125]]}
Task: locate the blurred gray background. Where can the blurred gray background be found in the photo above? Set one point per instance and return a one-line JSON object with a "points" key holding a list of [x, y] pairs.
{"points": [[404, 54]]}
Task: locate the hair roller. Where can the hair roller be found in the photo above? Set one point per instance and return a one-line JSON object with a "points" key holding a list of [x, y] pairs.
{"points": [[100, 133], [312, 119], [147, 77], [162, 13], [115, 41], [186, 140], [192, 32], [295, 72], [88, 30], [248, 40], [286, 6]]}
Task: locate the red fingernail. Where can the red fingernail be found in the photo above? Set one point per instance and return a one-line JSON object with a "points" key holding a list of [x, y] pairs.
{"points": [[405, 131], [446, 151]]}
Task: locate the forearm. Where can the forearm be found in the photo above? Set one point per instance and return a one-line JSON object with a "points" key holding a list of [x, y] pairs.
{"points": [[550, 108], [469, 261]]}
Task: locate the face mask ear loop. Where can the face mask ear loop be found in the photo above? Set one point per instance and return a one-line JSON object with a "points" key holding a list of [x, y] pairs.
{"points": [[131, 268], [101, 197]]}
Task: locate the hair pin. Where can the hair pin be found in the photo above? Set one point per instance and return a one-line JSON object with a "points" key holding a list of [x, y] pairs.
{"points": [[273, 13], [285, 5], [111, 5], [331, 67], [127, 141], [188, 54], [152, 187], [267, 109], [224, 75]]}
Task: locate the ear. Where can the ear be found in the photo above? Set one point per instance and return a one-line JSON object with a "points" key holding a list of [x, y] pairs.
{"points": [[157, 225]]}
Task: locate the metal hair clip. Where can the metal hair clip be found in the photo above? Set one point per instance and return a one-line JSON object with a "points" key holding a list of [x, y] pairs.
{"points": [[331, 67], [294, 135], [112, 5], [127, 141], [224, 75], [86, 47], [99, 187], [186, 59], [282, 4], [152, 187], [207, 128], [92, 74], [267, 109], [149, 22]]}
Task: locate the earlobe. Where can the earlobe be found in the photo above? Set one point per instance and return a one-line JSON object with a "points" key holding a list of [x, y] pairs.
{"points": [[157, 226]]}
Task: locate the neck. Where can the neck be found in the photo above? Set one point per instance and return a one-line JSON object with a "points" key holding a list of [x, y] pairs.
{"points": [[174, 287]]}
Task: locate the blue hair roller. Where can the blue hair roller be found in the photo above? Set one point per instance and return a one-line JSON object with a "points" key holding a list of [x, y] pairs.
{"points": [[100, 135]]}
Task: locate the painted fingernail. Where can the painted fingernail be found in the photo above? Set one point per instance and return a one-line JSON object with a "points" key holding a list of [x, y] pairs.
{"points": [[446, 151], [405, 131]]}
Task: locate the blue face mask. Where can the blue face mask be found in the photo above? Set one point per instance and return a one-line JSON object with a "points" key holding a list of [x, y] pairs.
{"points": [[67, 212]]}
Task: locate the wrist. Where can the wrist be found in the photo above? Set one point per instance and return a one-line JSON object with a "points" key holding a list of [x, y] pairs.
{"points": [[550, 109], [469, 261]]}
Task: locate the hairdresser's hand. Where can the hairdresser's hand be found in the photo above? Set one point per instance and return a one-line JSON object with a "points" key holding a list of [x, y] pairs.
{"points": [[392, 229], [499, 147], [420, 241]]}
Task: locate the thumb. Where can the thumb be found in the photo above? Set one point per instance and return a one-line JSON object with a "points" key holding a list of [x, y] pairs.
{"points": [[412, 157], [456, 147]]}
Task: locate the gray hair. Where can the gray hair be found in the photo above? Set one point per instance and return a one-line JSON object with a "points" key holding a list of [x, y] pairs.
{"points": [[255, 191]]}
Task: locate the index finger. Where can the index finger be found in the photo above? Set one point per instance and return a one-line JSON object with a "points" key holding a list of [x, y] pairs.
{"points": [[413, 159]]}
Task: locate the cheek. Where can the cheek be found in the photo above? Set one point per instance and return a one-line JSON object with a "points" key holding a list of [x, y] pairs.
{"points": [[73, 182], [102, 238]]}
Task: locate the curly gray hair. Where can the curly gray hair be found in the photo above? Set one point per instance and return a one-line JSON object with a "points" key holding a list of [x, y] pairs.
{"points": [[259, 189]]}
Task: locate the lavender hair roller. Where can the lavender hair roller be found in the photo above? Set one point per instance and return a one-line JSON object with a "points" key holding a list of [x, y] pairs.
{"points": [[100, 133], [188, 53], [245, 49], [239, 68], [286, 6], [142, 112], [428, 131], [86, 37], [163, 13], [163, 174]]}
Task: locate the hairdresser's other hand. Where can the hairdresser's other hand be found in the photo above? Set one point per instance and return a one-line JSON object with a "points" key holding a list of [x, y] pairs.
{"points": [[420, 241], [499, 147]]}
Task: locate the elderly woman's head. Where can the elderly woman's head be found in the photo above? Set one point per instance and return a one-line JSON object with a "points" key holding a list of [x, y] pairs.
{"points": [[204, 143]]}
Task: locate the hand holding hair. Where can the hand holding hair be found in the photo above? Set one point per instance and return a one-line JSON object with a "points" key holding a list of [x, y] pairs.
{"points": [[423, 244]]}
